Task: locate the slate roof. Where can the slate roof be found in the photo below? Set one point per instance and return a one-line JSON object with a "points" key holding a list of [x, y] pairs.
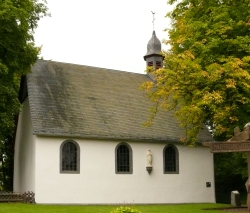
{"points": [[89, 102]]}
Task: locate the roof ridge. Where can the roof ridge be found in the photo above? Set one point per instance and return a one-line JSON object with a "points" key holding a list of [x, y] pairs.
{"points": [[88, 66]]}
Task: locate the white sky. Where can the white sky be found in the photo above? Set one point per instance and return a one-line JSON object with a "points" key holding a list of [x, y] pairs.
{"points": [[110, 34]]}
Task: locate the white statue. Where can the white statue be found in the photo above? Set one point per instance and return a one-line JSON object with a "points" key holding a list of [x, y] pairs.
{"points": [[149, 158]]}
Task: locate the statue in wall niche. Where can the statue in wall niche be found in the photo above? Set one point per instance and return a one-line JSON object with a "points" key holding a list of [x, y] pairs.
{"points": [[149, 158]]}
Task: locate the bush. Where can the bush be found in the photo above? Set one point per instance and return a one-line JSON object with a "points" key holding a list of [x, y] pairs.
{"points": [[125, 209]]}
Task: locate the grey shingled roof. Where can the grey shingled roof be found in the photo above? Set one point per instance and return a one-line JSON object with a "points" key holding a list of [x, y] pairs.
{"points": [[89, 102]]}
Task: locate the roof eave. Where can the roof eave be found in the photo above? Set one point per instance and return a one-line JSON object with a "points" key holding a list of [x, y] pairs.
{"points": [[152, 55], [105, 138]]}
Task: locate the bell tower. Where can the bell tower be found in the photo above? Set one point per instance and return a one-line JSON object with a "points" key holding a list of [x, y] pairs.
{"points": [[153, 57]]}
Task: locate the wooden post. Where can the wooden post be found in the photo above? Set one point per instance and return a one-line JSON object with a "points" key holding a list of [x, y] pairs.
{"points": [[248, 163], [248, 182]]}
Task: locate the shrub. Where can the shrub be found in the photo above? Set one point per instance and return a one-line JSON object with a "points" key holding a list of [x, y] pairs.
{"points": [[125, 209]]}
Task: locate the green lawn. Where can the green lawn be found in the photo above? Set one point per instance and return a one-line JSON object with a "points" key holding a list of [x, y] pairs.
{"points": [[180, 208]]}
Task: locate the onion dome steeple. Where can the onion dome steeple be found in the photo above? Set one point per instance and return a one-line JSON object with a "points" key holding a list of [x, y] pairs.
{"points": [[153, 56], [154, 46]]}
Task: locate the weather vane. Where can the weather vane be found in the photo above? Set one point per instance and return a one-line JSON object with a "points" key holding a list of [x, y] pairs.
{"points": [[153, 20]]}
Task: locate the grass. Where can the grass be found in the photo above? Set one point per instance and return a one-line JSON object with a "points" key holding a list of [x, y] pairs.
{"points": [[177, 208]]}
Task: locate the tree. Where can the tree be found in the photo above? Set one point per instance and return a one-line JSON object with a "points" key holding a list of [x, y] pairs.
{"points": [[18, 20], [7, 164], [206, 73]]}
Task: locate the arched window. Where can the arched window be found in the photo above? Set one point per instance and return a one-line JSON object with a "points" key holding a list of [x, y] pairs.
{"points": [[123, 159], [170, 160], [70, 157]]}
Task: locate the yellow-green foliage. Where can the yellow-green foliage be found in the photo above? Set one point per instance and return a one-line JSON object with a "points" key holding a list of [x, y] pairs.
{"points": [[125, 209], [206, 73]]}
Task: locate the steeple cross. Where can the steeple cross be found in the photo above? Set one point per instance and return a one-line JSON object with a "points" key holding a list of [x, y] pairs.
{"points": [[153, 13]]}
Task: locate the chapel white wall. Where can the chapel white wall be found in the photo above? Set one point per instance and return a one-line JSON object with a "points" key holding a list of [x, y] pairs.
{"points": [[98, 183], [24, 156]]}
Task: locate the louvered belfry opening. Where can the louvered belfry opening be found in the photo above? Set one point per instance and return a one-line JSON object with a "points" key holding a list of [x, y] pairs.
{"points": [[170, 159], [150, 64], [69, 157], [123, 162], [158, 64]]}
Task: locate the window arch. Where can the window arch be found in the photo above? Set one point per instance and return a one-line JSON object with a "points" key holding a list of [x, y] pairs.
{"points": [[170, 160], [70, 157], [123, 159]]}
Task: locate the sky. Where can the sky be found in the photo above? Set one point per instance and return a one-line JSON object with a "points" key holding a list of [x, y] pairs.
{"points": [[110, 34]]}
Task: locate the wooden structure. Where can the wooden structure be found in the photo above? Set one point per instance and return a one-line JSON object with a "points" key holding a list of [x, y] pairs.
{"points": [[26, 197], [240, 142]]}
